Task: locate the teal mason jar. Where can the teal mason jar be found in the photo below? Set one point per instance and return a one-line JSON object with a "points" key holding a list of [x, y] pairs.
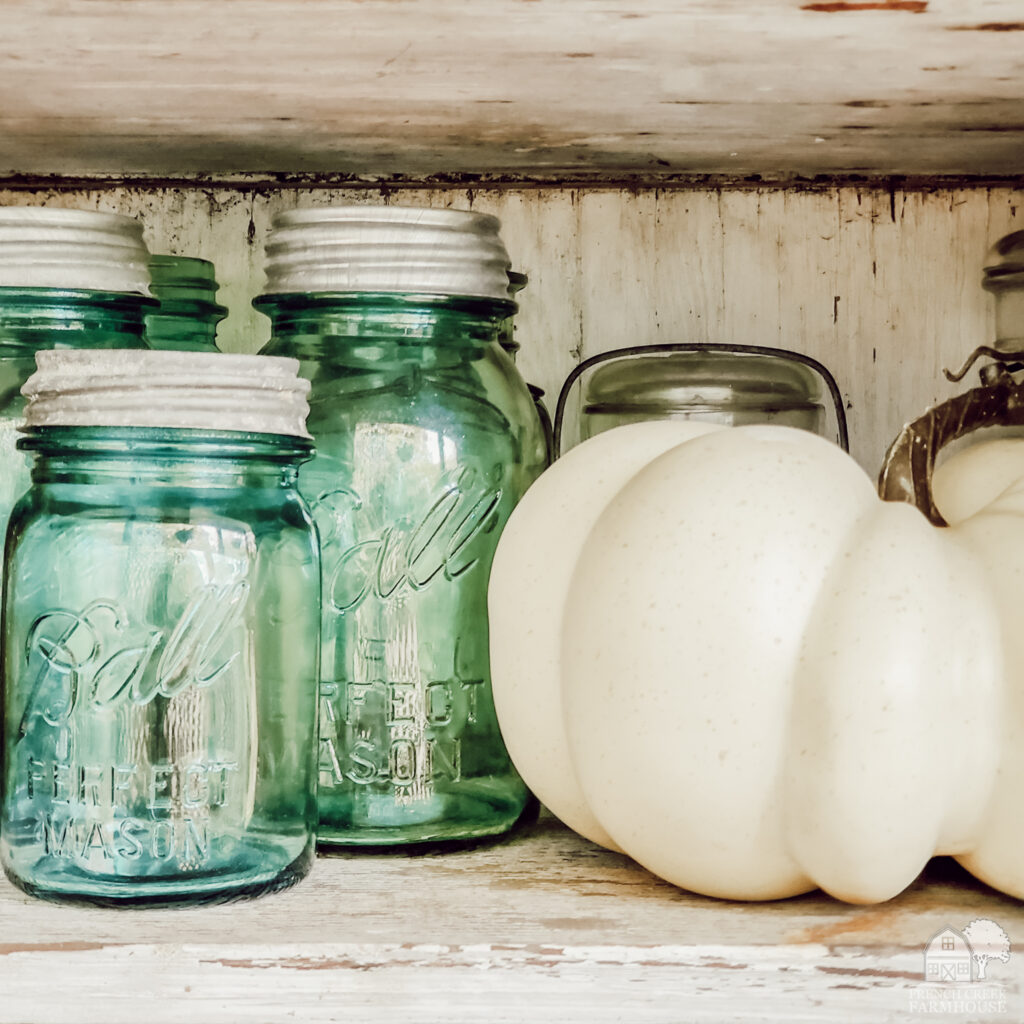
{"points": [[68, 279], [506, 339], [188, 314], [161, 623], [426, 438]]}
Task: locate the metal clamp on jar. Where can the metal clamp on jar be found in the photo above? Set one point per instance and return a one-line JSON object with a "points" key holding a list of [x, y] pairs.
{"points": [[912, 471]]}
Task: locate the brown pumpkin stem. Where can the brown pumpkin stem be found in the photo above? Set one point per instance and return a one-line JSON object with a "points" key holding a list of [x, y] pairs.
{"points": [[907, 472]]}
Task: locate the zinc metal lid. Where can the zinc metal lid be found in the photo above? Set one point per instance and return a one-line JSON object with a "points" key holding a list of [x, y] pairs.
{"points": [[81, 250], [397, 249], [193, 390], [1004, 265], [704, 379]]}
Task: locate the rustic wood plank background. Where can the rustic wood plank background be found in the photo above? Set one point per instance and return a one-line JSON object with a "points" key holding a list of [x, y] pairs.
{"points": [[882, 285]]}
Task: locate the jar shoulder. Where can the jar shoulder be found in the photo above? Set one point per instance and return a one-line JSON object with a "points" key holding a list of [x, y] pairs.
{"points": [[68, 522]]}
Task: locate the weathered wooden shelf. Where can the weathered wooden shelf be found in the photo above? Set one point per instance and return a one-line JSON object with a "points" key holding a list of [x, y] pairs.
{"points": [[544, 926], [559, 90]]}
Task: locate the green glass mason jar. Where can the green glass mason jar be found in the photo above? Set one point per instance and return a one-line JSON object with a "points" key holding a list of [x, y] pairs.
{"points": [[506, 339], [187, 318], [68, 279], [426, 438], [161, 615]]}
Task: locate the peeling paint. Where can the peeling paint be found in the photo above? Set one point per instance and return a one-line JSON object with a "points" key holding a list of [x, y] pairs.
{"points": [[996, 128], [306, 963], [507, 957], [868, 972], [6, 949], [990, 26], [913, 6]]}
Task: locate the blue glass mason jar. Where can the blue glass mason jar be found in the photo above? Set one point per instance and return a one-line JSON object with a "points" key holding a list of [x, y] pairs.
{"points": [[426, 438], [188, 314], [161, 618], [68, 279]]}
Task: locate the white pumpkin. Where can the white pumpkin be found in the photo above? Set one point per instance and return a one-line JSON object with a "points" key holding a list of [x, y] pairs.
{"points": [[720, 652]]}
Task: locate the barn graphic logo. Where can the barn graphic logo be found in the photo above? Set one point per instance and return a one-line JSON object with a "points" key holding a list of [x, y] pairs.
{"points": [[958, 958]]}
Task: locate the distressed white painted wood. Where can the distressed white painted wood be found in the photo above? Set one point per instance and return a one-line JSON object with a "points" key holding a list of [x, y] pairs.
{"points": [[556, 89], [545, 926], [883, 286]]}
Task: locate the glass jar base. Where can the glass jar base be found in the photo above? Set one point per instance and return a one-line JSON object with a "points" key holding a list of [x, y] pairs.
{"points": [[64, 887], [453, 817]]}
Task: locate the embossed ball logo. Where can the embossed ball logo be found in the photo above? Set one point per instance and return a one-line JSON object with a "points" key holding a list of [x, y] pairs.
{"points": [[100, 657]]}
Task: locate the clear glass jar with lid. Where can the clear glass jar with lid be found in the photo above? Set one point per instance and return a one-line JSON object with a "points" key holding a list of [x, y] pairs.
{"points": [[188, 315], [731, 385], [1004, 278], [426, 438], [161, 617], [68, 279]]}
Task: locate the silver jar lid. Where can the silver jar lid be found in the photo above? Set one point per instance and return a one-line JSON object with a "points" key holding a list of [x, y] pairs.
{"points": [[81, 250], [680, 381], [194, 390], [397, 249]]}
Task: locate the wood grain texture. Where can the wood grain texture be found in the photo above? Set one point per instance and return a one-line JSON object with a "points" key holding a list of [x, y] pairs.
{"points": [[883, 286], [550, 89], [542, 926]]}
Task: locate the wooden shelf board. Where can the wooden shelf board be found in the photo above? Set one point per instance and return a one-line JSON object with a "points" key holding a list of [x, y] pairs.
{"points": [[544, 924], [556, 88]]}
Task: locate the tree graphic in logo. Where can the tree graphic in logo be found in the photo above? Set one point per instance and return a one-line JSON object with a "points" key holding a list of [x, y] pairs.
{"points": [[988, 942]]}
